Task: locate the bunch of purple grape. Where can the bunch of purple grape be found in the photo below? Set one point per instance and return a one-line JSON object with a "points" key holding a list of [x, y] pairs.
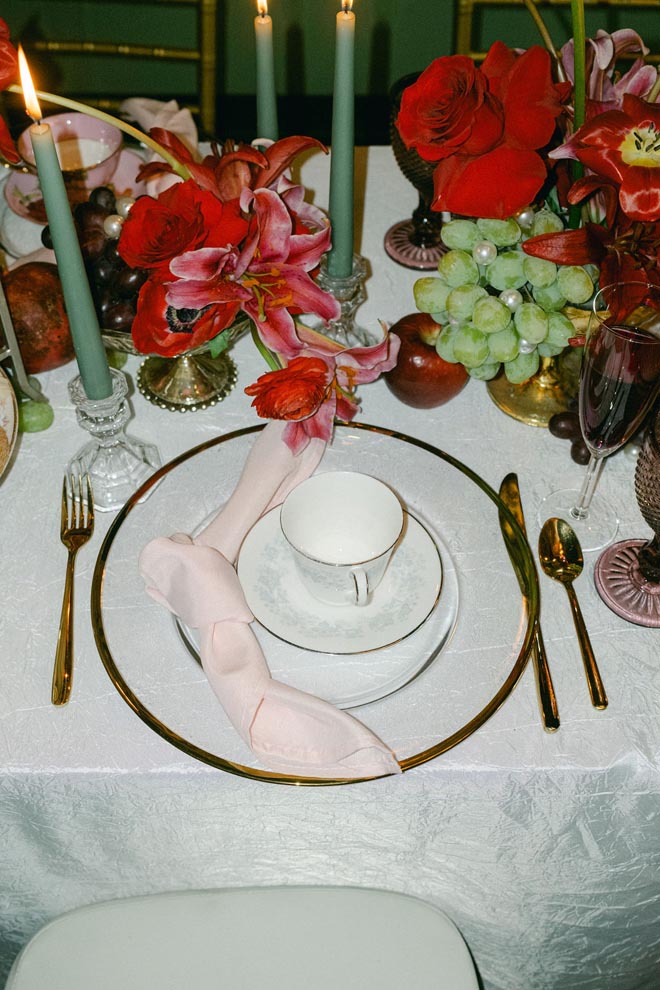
{"points": [[566, 425], [114, 285]]}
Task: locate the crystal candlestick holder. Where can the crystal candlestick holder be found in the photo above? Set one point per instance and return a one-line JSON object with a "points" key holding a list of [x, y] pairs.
{"points": [[349, 293], [116, 463]]}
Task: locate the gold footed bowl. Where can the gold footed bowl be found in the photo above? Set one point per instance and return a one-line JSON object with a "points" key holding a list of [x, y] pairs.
{"points": [[551, 390], [193, 380]]}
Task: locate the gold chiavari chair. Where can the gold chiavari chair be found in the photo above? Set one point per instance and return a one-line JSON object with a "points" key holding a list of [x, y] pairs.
{"points": [[466, 44], [203, 55]]}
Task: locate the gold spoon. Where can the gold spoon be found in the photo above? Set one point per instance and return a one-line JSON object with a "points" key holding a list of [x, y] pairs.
{"points": [[561, 558]]}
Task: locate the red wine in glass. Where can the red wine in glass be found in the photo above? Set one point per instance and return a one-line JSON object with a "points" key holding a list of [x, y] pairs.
{"points": [[619, 380], [618, 383]]}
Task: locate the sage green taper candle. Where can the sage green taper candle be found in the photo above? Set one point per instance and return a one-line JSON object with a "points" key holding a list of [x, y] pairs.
{"points": [[340, 257], [85, 331], [266, 97], [84, 326]]}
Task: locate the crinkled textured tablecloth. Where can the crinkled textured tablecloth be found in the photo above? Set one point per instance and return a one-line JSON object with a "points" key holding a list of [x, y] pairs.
{"points": [[545, 849]]}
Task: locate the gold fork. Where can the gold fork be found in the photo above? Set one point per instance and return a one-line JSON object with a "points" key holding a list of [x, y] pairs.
{"points": [[75, 530]]}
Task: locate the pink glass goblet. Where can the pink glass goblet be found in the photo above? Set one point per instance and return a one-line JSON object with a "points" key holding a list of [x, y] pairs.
{"points": [[627, 574], [413, 243]]}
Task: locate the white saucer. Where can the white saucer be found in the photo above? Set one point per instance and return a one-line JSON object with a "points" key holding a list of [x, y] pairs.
{"points": [[383, 645], [23, 192], [279, 600]]}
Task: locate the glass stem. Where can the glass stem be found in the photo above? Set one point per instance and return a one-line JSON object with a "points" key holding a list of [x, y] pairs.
{"points": [[581, 507]]}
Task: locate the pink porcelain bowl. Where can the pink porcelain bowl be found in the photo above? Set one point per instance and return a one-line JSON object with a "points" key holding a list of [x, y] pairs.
{"points": [[88, 149]]}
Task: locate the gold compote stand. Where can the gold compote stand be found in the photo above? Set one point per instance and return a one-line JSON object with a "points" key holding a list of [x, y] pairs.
{"points": [[192, 380], [551, 390]]}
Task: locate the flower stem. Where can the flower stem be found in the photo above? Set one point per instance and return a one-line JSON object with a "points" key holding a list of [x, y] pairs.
{"points": [[579, 49], [545, 35], [579, 93], [140, 136], [271, 359]]}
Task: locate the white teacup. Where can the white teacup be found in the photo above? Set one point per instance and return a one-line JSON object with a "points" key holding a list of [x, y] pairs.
{"points": [[342, 528]]}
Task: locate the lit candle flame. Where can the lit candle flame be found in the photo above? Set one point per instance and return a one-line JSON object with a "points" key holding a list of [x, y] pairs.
{"points": [[29, 94], [262, 7], [346, 6]]}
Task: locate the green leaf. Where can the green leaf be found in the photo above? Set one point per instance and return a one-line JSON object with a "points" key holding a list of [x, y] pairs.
{"points": [[219, 343]]}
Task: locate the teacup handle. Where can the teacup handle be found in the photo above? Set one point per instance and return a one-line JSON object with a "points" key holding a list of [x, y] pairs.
{"points": [[361, 586]]}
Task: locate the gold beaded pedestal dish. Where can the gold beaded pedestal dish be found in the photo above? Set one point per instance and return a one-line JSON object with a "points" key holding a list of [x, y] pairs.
{"points": [[192, 380], [470, 674]]}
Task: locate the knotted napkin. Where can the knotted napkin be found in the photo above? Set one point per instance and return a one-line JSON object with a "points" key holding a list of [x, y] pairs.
{"points": [[289, 730]]}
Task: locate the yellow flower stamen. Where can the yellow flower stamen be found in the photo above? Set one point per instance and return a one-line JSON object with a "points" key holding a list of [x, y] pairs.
{"points": [[641, 147]]}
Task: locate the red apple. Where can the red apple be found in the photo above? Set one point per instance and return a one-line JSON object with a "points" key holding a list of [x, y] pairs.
{"points": [[421, 378], [35, 300]]}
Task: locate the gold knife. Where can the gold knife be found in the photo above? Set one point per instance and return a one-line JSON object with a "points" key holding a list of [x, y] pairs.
{"points": [[510, 495]]}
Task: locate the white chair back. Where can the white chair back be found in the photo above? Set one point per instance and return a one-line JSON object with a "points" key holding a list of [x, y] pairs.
{"points": [[283, 938]]}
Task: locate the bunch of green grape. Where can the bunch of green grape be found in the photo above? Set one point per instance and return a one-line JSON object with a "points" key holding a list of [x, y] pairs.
{"points": [[497, 305]]}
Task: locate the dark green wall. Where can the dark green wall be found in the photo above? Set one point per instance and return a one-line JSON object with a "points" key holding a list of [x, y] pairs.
{"points": [[394, 37]]}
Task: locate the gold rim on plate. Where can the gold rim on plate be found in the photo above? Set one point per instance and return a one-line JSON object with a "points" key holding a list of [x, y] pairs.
{"points": [[525, 568], [8, 420]]}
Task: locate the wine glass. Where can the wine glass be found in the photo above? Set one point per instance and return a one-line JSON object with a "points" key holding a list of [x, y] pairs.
{"points": [[619, 381]]}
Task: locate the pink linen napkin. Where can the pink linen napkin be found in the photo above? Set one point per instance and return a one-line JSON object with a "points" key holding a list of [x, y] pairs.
{"points": [[289, 730]]}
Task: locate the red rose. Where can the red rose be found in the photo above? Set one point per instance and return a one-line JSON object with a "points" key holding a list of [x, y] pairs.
{"points": [[183, 218], [161, 329], [449, 109], [294, 392]]}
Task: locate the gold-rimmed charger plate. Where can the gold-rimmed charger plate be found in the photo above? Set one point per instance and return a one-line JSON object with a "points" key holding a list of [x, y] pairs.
{"points": [[472, 677], [8, 420]]}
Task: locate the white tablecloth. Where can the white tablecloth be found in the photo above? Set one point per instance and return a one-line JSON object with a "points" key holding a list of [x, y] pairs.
{"points": [[545, 849]]}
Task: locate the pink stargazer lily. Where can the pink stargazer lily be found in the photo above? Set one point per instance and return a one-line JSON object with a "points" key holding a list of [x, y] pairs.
{"points": [[267, 278], [604, 90]]}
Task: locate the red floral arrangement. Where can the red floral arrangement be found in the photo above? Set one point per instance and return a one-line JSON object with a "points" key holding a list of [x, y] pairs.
{"points": [[232, 234], [502, 135]]}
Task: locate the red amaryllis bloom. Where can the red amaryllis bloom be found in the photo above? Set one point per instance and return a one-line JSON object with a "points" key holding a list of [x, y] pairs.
{"points": [[294, 392], [8, 73], [624, 146], [484, 127], [318, 385], [267, 278], [183, 218]]}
